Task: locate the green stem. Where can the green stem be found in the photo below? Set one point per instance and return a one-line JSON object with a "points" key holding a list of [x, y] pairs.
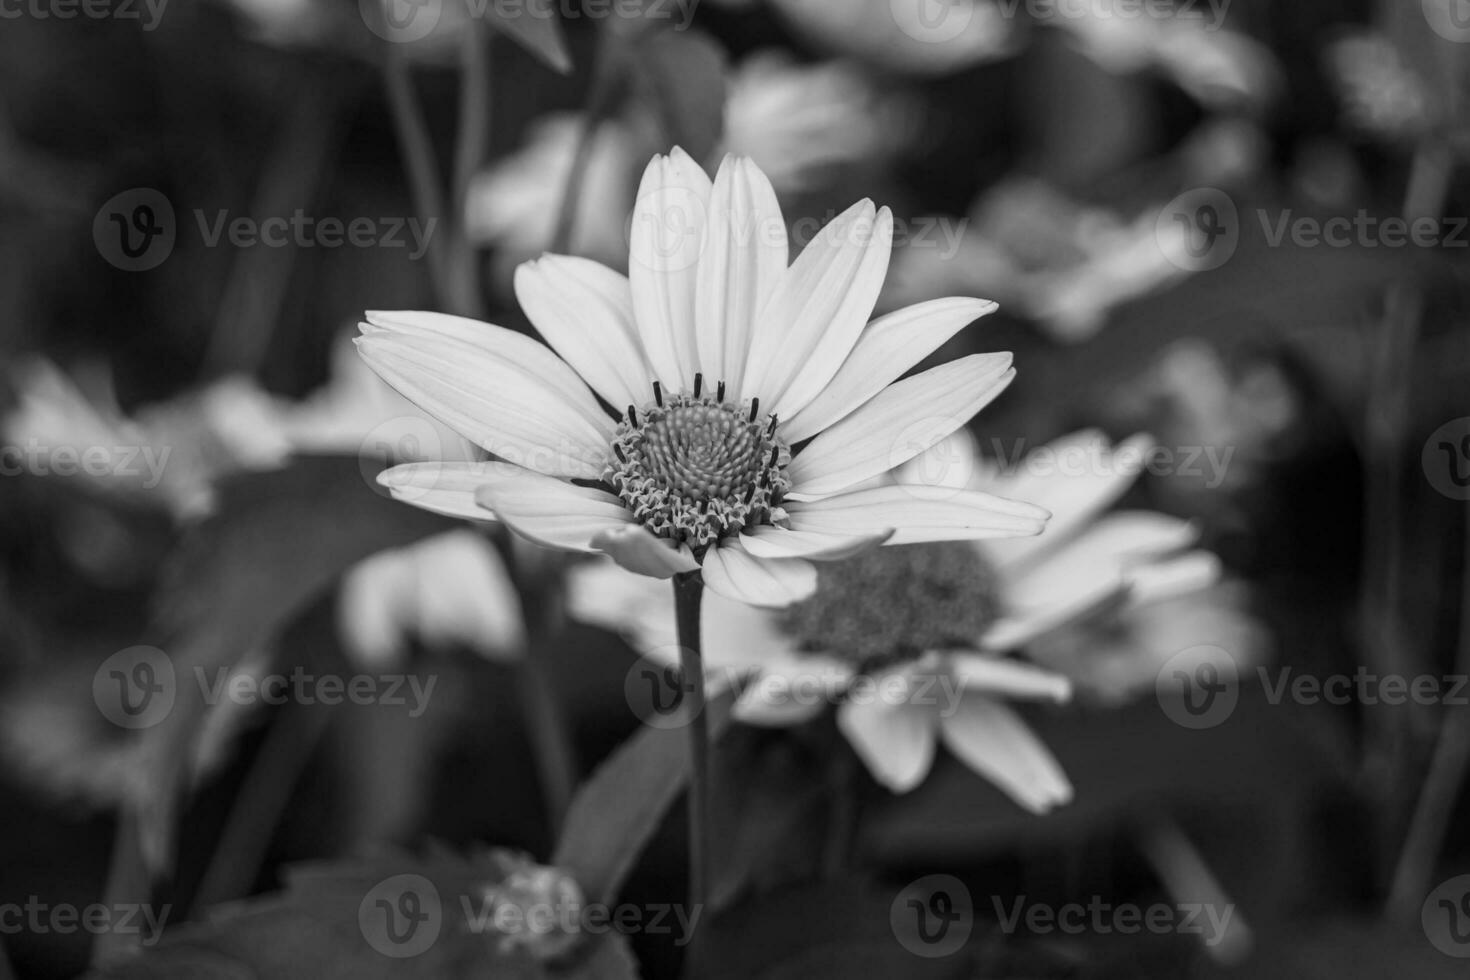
{"points": [[688, 593]]}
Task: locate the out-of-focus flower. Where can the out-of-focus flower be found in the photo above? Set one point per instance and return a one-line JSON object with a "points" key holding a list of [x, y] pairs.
{"points": [[514, 205], [801, 123], [1064, 263], [715, 359], [948, 617], [1381, 95], [531, 890], [448, 590], [175, 449], [916, 37]]}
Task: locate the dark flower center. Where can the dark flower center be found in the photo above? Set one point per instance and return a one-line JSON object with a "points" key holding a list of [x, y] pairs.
{"points": [[695, 469], [889, 605]]}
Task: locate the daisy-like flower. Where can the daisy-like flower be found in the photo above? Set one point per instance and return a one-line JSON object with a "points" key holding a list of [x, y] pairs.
{"points": [[714, 411], [917, 645]]}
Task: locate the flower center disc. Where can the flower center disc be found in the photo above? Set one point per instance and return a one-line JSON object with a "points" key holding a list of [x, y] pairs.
{"points": [[893, 604], [695, 469]]}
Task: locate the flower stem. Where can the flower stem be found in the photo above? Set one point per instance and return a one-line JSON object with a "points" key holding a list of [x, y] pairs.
{"points": [[688, 593]]}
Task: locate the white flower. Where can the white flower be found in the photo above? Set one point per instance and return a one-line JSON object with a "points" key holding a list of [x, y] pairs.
{"points": [[448, 590], [663, 434]]}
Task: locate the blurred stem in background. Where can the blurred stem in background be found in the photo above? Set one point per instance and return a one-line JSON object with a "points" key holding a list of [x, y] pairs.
{"points": [[688, 597], [609, 75], [1390, 738]]}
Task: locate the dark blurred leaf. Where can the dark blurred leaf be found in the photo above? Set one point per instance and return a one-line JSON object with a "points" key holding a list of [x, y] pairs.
{"points": [[535, 26], [277, 541], [619, 808], [683, 73], [1350, 950], [326, 925]]}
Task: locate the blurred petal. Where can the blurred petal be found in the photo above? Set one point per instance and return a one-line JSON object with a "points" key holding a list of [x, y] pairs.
{"points": [[992, 740], [1191, 572], [444, 488], [900, 422], [887, 348], [792, 689], [1011, 678], [585, 312], [778, 542], [895, 741], [774, 582]]}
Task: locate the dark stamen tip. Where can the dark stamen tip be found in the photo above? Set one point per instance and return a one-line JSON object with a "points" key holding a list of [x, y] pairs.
{"points": [[755, 408], [658, 394], [633, 412], [771, 429], [619, 451], [720, 391], [698, 384]]}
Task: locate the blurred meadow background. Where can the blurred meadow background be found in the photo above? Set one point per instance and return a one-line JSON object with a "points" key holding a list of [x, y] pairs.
{"points": [[1239, 227]]}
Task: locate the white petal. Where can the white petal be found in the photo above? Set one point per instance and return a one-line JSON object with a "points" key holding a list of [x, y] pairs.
{"points": [[1170, 579], [1011, 678], [900, 422], [792, 689], [963, 515], [773, 582], [549, 511], [810, 323], [444, 488], [777, 542], [602, 593], [992, 740], [585, 312], [887, 348], [637, 550], [465, 596], [895, 741], [518, 400], [1088, 595], [745, 254], [1076, 477], [667, 239]]}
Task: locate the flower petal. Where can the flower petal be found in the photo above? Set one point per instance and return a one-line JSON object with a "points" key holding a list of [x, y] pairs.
{"points": [[887, 348], [895, 741], [810, 323], [992, 740], [667, 239], [960, 516], [549, 511], [1010, 678], [602, 593], [745, 255], [792, 689], [1076, 477], [775, 582], [637, 550], [778, 542], [585, 312], [443, 488], [1191, 572], [506, 393], [1020, 625], [901, 421]]}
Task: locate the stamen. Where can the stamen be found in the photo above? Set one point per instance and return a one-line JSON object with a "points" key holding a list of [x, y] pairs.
{"points": [[622, 457], [633, 412], [698, 384], [658, 394], [720, 392], [755, 408], [770, 429]]}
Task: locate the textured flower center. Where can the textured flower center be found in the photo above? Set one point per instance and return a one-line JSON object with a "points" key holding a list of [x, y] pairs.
{"points": [[695, 468], [888, 605]]}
